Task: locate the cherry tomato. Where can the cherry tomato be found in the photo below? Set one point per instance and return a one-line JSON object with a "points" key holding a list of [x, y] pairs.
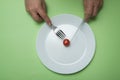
{"points": [[66, 42]]}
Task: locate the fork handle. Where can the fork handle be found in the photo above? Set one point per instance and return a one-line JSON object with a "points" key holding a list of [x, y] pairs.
{"points": [[53, 26]]}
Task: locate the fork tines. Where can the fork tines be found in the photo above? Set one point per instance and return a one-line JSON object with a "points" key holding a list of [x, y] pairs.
{"points": [[60, 34]]}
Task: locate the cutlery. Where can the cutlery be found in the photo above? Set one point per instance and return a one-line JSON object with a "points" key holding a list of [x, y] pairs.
{"points": [[58, 32], [81, 24]]}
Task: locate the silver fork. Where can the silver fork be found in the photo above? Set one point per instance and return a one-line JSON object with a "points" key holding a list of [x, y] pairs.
{"points": [[58, 32]]}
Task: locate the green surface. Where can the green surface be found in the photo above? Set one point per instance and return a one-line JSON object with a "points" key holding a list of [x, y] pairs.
{"points": [[18, 32]]}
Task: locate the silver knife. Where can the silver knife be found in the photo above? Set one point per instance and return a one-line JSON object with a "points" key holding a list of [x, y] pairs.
{"points": [[81, 24]]}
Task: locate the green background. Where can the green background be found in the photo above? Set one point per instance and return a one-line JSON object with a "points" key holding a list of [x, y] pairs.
{"points": [[18, 32]]}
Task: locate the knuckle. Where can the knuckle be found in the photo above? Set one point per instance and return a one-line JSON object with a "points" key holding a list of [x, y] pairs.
{"points": [[28, 10]]}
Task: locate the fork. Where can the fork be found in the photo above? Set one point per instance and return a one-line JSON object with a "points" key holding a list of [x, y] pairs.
{"points": [[58, 32]]}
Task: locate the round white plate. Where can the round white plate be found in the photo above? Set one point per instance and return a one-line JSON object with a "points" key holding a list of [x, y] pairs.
{"points": [[66, 60]]}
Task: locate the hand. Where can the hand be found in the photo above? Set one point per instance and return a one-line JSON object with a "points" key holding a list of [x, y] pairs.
{"points": [[37, 9], [91, 8]]}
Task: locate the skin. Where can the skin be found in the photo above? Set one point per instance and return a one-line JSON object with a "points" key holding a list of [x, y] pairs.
{"points": [[91, 8], [37, 9]]}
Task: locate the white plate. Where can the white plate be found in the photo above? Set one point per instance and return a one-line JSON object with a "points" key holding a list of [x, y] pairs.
{"points": [[66, 60]]}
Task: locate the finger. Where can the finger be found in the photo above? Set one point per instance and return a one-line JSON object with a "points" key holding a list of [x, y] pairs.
{"points": [[40, 17], [97, 6], [88, 13], [87, 17], [101, 3], [44, 6], [35, 16], [95, 11], [84, 4], [88, 9], [44, 16]]}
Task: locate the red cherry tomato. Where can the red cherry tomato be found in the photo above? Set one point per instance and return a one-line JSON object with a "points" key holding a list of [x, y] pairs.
{"points": [[66, 42]]}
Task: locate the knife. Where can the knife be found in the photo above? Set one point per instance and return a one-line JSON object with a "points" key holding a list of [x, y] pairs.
{"points": [[81, 24]]}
